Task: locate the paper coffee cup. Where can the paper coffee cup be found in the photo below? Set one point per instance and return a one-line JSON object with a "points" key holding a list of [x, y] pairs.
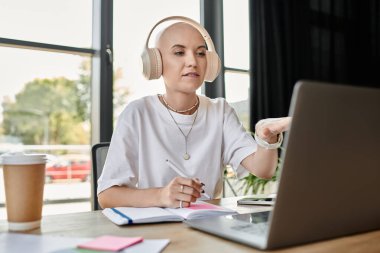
{"points": [[24, 179]]}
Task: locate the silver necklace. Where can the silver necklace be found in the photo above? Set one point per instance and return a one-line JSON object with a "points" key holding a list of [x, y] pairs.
{"points": [[186, 156], [179, 111]]}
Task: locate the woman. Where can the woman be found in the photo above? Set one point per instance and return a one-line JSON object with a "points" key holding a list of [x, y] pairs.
{"points": [[167, 150]]}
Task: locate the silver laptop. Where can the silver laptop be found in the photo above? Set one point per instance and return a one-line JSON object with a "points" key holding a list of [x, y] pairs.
{"points": [[329, 184]]}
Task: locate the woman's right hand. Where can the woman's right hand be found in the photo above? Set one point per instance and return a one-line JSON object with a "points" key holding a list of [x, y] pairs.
{"points": [[180, 192]]}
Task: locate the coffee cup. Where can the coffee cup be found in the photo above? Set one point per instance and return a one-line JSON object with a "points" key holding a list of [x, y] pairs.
{"points": [[24, 180]]}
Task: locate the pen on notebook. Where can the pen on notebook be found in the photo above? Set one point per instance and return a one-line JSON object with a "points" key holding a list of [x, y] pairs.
{"points": [[182, 174]]}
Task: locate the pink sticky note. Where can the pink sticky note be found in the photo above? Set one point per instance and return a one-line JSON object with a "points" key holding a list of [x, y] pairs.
{"points": [[198, 206], [110, 243]]}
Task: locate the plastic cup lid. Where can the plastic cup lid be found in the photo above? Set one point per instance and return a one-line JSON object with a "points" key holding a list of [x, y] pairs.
{"points": [[20, 158]]}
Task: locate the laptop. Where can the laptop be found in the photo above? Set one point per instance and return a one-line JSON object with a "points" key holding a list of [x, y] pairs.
{"points": [[329, 183]]}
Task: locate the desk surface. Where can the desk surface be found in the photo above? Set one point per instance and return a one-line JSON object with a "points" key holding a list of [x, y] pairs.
{"points": [[185, 239]]}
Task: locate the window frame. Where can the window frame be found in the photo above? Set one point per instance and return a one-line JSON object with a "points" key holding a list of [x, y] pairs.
{"points": [[101, 72], [212, 20]]}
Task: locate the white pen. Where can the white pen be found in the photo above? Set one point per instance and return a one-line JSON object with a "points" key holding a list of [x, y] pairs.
{"points": [[182, 174]]}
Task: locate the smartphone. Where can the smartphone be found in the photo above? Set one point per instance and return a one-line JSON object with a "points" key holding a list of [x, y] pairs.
{"points": [[265, 201]]}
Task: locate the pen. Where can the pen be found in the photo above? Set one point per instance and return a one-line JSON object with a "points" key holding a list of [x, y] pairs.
{"points": [[182, 174]]}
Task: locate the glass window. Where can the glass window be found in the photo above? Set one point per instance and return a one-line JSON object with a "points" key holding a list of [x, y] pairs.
{"points": [[132, 22], [237, 85], [66, 22], [237, 94], [236, 34], [45, 107], [236, 57]]}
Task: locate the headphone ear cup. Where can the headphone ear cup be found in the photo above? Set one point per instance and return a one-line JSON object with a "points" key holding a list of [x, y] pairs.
{"points": [[152, 63], [213, 66]]}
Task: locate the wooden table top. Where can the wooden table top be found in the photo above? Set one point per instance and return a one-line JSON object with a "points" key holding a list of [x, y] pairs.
{"points": [[184, 239]]}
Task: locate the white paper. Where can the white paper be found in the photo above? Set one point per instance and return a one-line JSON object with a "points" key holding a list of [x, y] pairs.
{"points": [[22, 243]]}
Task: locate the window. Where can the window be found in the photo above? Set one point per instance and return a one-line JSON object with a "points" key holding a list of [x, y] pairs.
{"points": [[65, 23], [45, 94], [132, 23], [237, 94], [46, 60], [236, 57]]}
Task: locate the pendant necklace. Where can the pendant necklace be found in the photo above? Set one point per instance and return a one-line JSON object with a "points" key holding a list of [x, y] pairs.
{"points": [[186, 156]]}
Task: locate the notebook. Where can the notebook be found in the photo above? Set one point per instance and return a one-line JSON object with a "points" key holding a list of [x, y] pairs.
{"points": [[132, 215], [329, 183]]}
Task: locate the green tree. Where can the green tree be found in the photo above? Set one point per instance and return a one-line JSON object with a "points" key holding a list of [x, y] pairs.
{"points": [[55, 110], [48, 107], [83, 91]]}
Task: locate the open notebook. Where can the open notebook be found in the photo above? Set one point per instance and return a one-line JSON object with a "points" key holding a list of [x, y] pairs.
{"points": [[132, 215]]}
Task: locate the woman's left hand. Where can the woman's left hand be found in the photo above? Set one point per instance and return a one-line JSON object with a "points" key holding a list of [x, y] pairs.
{"points": [[269, 129]]}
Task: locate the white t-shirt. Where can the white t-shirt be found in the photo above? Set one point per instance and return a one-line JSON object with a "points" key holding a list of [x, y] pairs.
{"points": [[146, 136]]}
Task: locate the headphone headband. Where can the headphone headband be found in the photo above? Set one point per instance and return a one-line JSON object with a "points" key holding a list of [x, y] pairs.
{"points": [[151, 57], [202, 31]]}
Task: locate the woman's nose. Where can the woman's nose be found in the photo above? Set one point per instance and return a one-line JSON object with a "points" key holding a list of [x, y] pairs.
{"points": [[191, 60]]}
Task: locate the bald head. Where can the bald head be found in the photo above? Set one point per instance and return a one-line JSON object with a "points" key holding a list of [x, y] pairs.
{"points": [[177, 32]]}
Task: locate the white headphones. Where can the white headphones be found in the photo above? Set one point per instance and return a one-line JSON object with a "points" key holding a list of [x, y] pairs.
{"points": [[151, 57]]}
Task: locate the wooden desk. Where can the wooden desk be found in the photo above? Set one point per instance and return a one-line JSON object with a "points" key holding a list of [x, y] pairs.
{"points": [[185, 239]]}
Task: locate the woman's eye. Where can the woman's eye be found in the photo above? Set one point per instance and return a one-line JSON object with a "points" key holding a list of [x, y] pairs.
{"points": [[179, 53], [202, 53]]}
